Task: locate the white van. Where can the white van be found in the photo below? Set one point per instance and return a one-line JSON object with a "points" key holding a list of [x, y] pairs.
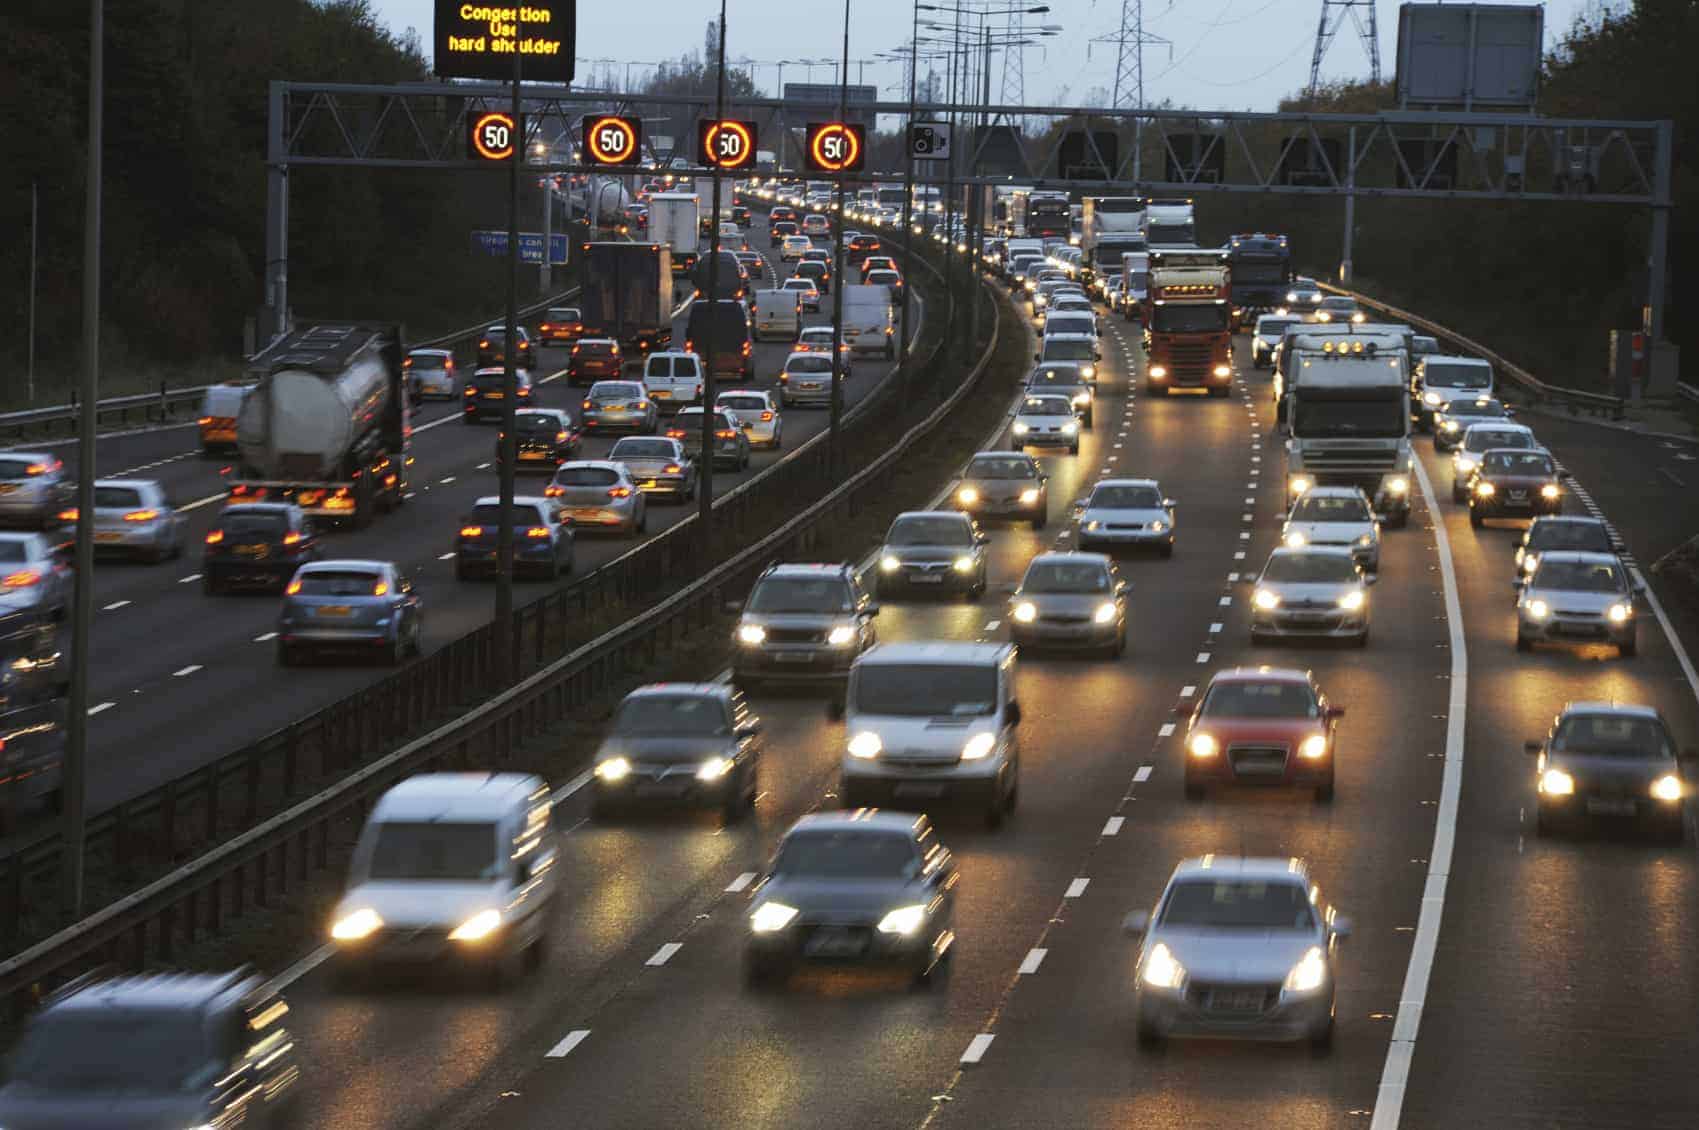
{"points": [[673, 379], [928, 723], [778, 315], [869, 320], [452, 868], [220, 406]]}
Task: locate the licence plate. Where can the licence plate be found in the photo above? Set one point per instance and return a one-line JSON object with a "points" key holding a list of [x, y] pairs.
{"points": [[107, 537], [793, 657], [255, 551], [1309, 617], [588, 512], [809, 386], [494, 395], [1602, 806], [927, 578], [1236, 1000], [1518, 495], [835, 942], [660, 394], [333, 610], [923, 790]]}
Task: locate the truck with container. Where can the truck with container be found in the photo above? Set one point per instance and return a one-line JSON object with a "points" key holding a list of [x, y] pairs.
{"points": [[1347, 420], [1170, 222], [628, 295], [1262, 274], [1109, 216], [326, 424], [1008, 208], [1048, 215], [1188, 338], [675, 219]]}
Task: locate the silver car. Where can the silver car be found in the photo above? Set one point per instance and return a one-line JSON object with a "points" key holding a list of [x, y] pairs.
{"points": [[1237, 947], [936, 550], [762, 421], [364, 605], [1338, 516], [1269, 331], [33, 489], [1079, 349], [1311, 591], [1559, 531], [659, 465], [35, 573], [806, 379], [599, 494], [1000, 484], [1576, 597], [1452, 416], [430, 372], [134, 516], [1065, 378], [618, 405], [1045, 421], [1126, 512], [1070, 600]]}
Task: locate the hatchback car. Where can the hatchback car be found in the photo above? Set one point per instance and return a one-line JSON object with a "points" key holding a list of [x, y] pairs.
{"points": [[730, 441], [483, 396], [542, 539], [1477, 438], [679, 743], [1070, 601], [1312, 590], [933, 550], [1452, 416], [1125, 513], [561, 325], [1260, 726], [806, 379], [791, 247], [37, 573], [802, 623], [816, 224], [1335, 516], [818, 339], [257, 543], [1303, 293], [1610, 760], [757, 413], [658, 464], [807, 292], [1066, 378], [430, 372], [1574, 597], [1270, 328], [33, 489], [599, 494], [820, 274], [363, 605], [864, 887], [1550, 532], [593, 358], [1237, 947], [858, 247], [619, 406], [1045, 421], [546, 438], [1512, 483], [876, 263], [1077, 350], [1338, 308], [133, 516], [997, 484], [492, 351]]}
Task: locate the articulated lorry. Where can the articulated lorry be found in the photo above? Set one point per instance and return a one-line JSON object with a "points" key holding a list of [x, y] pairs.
{"points": [[628, 295], [1347, 417], [1170, 223], [675, 219], [1110, 226], [1188, 338], [1262, 271]]}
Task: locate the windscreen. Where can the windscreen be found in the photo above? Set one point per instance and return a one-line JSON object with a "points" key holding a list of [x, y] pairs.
{"points": [[742, 403], [341, 582], [1274, 327], [1585, 536], [13, 469], [1331, 508], [800, 284], [596, 348], [1611, 735], [536, 424], [115, 1049], [1065, 577], [694, 714], [630, 448], [883, 278], [443, 851], [564, 314], [928, 530], [586, 477], [1069, 350], [1170, 233], [252, 526], [1578, 576], [1238, 904], [846, 855], [489, 514], [1309, 569], [116, 497], [14, 550], [1365, 418], [1125, 498], [611, 391], [1471, 408], [926, 690], [1061, 377], [1481, 441], [1252, 272], [1000, 467], [800, 595], [1069, 324], [1276, 698], [1531, 463], [1168, 318], [1449, 374], [427, 360], [809, 363], [1046, 406]]}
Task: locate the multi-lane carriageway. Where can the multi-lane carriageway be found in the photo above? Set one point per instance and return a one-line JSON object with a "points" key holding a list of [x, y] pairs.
{"points": [[180, 678], [1533, 983]]}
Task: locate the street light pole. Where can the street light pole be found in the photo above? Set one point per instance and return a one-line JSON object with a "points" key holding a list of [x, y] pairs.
{"points": [[834, 446], [508, 444], [908, 208], [705, 460]]}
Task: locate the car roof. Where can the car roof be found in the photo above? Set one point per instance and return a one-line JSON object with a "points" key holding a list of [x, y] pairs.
{"points": [[498, 371], [1071, 557], [1260, 674], [1266, 867], [599, 464], [861, 819], [261, 507], [32, 456], [1126, 483], [1067, 369], [12, 536], [1042, 395], [806, 569], [1333, 492], [1454, 359], [1568, 519], [126, 482], [1625, 709], [434, 352], [937, 651], [342, 564], [1580, 557], [1343, 551], [518, 500], [597, 341], [451, 797], [743, 392], [722, 691], [162, 991], [675, 353], [1497, 426]]}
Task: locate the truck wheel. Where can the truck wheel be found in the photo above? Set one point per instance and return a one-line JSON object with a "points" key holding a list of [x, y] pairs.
{"points": [[210, 584]]}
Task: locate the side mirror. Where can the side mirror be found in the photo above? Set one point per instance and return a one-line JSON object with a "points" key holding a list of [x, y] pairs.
{"points": [[1038, 356], [1533, 749], [1184, 710], [1169, 504], [1370, 578], [1333, 713], [870, 610], [981, 539], [1340, 927], [1079, 505], [1013, 713], [835, 709], [734, 606], [747, 730], [1136, 923]]}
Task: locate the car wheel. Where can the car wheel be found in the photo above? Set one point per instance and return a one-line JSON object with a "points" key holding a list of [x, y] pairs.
{"points": [[1523, 643], [1321, 1040], [1119, 647], [1457, 492], [1475, 518], [1542, 822], [1324, 793], [286, 656], [1166, 549], [210, 584], [641, 524], [1150, 1037], [1362, 639], [1629, 647], [1671, 830], [397, 652]]}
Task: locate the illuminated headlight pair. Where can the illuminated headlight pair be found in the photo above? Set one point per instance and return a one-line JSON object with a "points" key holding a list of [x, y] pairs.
{"points": [[365, 922], [866, 746]]}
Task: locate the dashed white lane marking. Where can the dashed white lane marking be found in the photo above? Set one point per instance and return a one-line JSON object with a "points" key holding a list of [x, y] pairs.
{"points": [[1246, 517], [1239, 556], [189, 670], [741, 883], [99, 706], [1166, 730], [573, 1039], [268, 636], [449, 556], [1244, 535], [115, 606], [1142, 775], [448, 479], [664, 954], [992, 625], [1112, 826], [1076, 888], [1250, 500], [1034, 958], [1203, 657], [1225, 602], [190, 578], [1214, 629], [481, 467], [1188, 690], [411, 494], [977, 1047], [1232, 578]]}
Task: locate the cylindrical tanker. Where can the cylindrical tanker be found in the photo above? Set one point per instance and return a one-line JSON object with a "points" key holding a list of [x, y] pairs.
{"points": [[303, 424]]}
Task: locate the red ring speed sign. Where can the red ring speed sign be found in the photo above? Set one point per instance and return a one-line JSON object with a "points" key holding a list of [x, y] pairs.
{"points": [[612, 140], [494, 135], [835, 147], [730, 144]]}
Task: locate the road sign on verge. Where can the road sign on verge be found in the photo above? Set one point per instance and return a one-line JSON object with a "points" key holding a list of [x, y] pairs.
{"points": [[929, 141], [530, 245]]}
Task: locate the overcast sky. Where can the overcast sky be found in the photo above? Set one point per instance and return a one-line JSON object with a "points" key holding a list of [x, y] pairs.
{"points": [[1220, 54]]}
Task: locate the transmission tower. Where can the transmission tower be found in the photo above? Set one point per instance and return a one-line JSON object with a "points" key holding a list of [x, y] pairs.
{"points": [[1014, 62], [1129, 40], [1333, 14]]}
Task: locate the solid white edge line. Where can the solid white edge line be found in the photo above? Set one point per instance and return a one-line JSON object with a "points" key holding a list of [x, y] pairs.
{"points": [[300, 969], [572, 1040], [570, 787], [977, 1047], [1669, 633], [1401, 1051], [664, 954]]}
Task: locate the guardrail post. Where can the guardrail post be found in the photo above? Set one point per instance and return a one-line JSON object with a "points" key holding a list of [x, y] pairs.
{"points": [[291, 755], [261, 875], [282, 869], [209, 799], [168, 818], [215, 905], [253, 801], [167, 928], [12, 909], [238, 890], [138, 946]]}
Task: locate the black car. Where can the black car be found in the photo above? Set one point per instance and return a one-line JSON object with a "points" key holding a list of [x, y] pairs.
{"points": [[679, 743], [819, 272], [802, 623], [740, 215], [491, 349], [546, 439], [483, 395], [1610, 760], [259, 545]]}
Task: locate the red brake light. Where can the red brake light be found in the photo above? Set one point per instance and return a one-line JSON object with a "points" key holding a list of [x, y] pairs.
{"points": [[214, 537], [575, 349], [587, 404], [43, 468], [407, 364], [552, 491], [619, 492], [766, 417], [484, 344], [471, 531], [727, 433], [291, 538], [22, 579], [672, 469], [141, 515], [675, 433], [537, 532], [68, 515], [560, 437], [294, 587]]}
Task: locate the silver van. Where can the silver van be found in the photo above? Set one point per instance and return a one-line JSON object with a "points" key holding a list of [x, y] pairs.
{"points": [[931, 723], [778, 315], [452, 869]]}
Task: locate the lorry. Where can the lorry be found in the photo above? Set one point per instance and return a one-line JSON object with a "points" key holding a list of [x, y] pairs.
{"points": [[1048, 215], [1262, 273], [1188, 341], [1170, 223], [1103, 218], [326, 423], [1348, 417], [675, 219], [628, 295], [1008, 208]]}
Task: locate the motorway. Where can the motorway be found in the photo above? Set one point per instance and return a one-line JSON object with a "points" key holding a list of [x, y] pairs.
{"points": [[163, 652]]}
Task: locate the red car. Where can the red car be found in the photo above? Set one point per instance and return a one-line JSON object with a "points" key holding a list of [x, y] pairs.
{"points": [[592, 359], [1260, 726], [563, 324], [782, 212]]}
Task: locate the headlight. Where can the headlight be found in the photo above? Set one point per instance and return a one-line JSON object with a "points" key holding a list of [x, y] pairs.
{"points": [[360, 924], [903, 920], [979, 747], [1359, 316], [1161, 970], [1619, 613], [1088, 371], [889, 564], [1081, 399], [1291, 296], [1105, 613], [1485, 489], [1323, 316], [751, 633], [1667, 787], [1019, 429], [865, 745], [1039, 300], [1157, 372], [1538, 610], [1030, 285], [1025, 612], [841, 636], [1550, 490], [1029, 497], [1266, 600], [1352, 600], [1094, 524], [1296, 540], [478, 927], [1530, 563], [1298, 484], [1223, 371], [614, 769], [1313, 747], [1309, 974], [1555, 782], [1431, 399], [1203, 745], [1159, 525], [770, 917], [1464, 465], [1365, 541], [967, 495], [1070, 428], [713, 769], [964, 564], [1398, 484], [1452, 426]]}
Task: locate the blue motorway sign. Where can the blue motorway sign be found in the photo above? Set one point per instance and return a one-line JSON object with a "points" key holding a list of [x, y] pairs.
{"points": [[530, 245]]}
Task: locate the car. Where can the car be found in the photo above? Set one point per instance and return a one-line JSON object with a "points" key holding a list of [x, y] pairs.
{"points": [[820, 274], [1241, 947], [752, 262], [659, 464], [1441, 378], [1311, 590], [1130, 513], [133, 516], [1270, 328], [599, 493], [1001, 484], [802, 623], [1260, 726], [1303, 293], [1452, 416], [455, 870], [561, 325], [731, 236], [807, 289], [679, 743], [482, 396], [430, 372], [221, 405], [864, 887], [934, 550], [1066, 378], [859, 246], [151, 1049], [34, 489], [546, 438], [542, 539], [876, 263], [782, 214], [1477, 438], [1510, 482], [758, 413], [1560, 531], [778, 231], [806, 378], [1080, 350], [1338, 516], [594, 358], [619, 406], [1576, 597], [349, 603], [1610, 760], [1071, 601], [791, 247], [1045, 420], [38, 573], [1338, 308], [492, 351], [890, 280], [741, 216], [257, 543], [816, 224], [818, 339], [731, 443]]}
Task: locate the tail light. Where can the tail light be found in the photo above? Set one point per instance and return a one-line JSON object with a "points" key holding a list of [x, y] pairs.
{"points": [[68, 515], [560, 437], [22, 579], [672, 469], [205, 420], [766, 417], [469, 390], [587, 405], [291, 538], [784, 378], [43, 468], [141, 515], [380, 589], [642, 404], [675, 433], [293, 589], [524, 390], [619, 492], [485, 344], [727, 433], [537, 532], [471, 531], [545, 327], [746, 349], [575, 350], [552, 491], [449, 364], [407, 364], [213, 537]]}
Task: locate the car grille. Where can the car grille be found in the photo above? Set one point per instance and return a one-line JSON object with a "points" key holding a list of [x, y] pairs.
{"points": [[1125, 526], [1257, 760], [1323, 459], [1247, 1000], [1190, 360], [795, 635], [1065, 618]]}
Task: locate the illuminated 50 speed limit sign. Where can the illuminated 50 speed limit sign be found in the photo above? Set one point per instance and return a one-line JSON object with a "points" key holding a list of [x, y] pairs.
{"points": [[493, 135], [613, 140], [726, 145], [836, 147]]}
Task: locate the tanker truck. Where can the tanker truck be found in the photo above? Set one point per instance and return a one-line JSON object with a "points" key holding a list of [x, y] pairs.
{"points": [[326, 424]]}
